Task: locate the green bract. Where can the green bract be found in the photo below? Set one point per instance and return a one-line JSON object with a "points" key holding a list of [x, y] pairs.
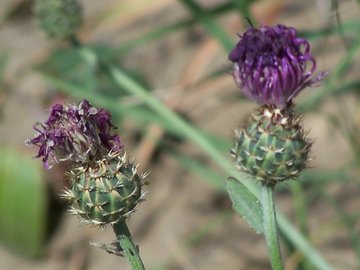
{"points": [[272, 145], [105, 193]]}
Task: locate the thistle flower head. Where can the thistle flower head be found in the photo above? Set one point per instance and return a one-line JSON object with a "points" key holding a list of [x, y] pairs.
{"points": [[59, 18], [272, 65], [78, 133]]}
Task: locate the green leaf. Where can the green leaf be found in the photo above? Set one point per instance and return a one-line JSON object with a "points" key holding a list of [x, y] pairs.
{"points": [[245, 204], [22, 204]]}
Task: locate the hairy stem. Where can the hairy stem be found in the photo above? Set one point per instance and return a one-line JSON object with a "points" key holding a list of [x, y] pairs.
{"points": [[130, 250], [270, 227]]}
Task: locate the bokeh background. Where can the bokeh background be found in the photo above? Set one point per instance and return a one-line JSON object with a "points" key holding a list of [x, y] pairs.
{"points": [[178, 50]]}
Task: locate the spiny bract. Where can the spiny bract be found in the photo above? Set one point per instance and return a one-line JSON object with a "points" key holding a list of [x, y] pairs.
{"points": [[106, 192], [272, 145]]}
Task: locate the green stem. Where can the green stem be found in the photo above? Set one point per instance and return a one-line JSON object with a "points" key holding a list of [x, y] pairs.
{"points": [[270, 226], [130, 250]]}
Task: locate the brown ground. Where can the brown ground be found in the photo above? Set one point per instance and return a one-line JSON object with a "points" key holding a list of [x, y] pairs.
{"points": [[179, 202]]}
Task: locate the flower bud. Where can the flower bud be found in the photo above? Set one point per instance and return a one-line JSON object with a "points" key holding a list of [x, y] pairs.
{"points": [[272, 145], [59, 18], [107, 191]]}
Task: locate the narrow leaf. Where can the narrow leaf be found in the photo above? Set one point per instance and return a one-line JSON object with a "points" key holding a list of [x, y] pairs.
{"points": [[245, 204]]}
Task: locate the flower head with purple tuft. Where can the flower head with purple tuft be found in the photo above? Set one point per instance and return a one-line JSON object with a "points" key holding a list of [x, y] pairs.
{"points": [[77, 133], [272, 65]]}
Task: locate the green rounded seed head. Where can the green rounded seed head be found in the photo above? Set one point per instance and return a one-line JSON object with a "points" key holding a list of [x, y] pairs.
{"points": [[272, 145], [105, 193], [59, 18]]}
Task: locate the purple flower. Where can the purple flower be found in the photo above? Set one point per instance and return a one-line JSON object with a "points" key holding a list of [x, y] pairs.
{"points": [[77, 133], [272, 65]]}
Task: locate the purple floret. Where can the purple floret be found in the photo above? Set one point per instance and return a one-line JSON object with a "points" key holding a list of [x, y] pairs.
{"points": [[272, 65], [76, 133]]}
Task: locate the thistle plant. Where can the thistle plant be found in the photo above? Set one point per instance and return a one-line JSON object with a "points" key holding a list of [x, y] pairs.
{"points": [[101, 177], [272, 65], [105, 187]]}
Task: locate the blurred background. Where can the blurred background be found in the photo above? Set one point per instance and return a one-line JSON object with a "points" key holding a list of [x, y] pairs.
{"points": [[178, 51]]}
